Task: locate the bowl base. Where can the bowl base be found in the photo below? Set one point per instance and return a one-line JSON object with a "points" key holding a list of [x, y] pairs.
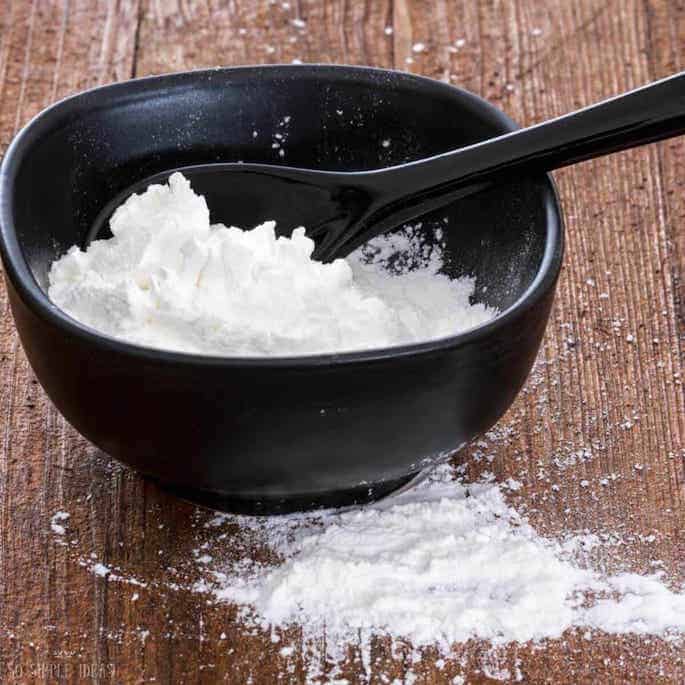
{"points": [[269, 506]]}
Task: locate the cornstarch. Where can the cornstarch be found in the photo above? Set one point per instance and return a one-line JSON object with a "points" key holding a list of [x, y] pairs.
{"points": [[441, 564], [168, 279]]}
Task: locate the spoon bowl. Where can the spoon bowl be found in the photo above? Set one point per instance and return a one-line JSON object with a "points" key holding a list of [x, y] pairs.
{"points": [[275, 434]]}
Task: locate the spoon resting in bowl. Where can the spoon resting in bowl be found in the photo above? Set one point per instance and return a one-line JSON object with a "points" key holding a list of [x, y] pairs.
{"points": [[343, 210]]}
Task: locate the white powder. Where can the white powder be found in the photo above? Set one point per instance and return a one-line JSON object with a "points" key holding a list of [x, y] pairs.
{"points": [[168, 279], [440, 564], [58, 518], [100, 569]]}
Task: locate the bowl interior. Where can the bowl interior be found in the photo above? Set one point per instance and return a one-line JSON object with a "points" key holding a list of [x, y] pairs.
{"points": [[84, 151]]}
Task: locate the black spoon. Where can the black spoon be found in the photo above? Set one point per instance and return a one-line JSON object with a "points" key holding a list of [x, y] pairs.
{"points": [[342, 210]]}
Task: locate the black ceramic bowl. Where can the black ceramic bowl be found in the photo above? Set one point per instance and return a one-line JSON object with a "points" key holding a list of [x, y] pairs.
{"points": [[275, 434]]}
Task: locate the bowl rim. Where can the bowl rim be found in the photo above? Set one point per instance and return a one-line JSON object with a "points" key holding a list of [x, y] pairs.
{"points": [[33, 296]]}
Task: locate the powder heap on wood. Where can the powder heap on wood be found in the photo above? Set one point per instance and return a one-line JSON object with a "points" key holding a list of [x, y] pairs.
{"points": [[168, 279], [440, 564]]}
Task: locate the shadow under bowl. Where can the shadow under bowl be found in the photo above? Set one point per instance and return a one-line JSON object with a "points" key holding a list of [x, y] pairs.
{"points": [[270, 435]]}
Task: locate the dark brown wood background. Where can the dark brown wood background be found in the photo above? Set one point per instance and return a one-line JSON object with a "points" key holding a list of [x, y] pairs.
{"points": [[609, 378]]}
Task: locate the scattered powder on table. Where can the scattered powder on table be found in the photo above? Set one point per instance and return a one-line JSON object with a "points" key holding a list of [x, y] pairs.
{"points": [[440, 564], [57, 522], [168, 279]]}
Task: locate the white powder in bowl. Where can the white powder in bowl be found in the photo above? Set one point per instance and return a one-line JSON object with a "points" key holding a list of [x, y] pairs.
{"points": [[169, 279]]}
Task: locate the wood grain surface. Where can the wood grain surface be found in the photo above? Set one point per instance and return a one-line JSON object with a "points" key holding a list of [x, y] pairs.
{"points": [[609, 379]]}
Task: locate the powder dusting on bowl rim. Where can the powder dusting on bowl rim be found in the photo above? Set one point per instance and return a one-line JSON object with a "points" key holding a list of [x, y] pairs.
{"points": [[17, 269]]}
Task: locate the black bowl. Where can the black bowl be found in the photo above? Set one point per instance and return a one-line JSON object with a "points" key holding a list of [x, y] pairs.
{"points": [[275, 434]]}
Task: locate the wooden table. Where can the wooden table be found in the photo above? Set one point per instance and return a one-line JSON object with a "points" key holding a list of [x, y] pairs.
{"points": [[609, 378]]}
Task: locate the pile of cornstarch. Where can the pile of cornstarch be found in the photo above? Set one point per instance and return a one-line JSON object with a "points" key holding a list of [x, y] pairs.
{"points": [[440, 564], [168, 279]]}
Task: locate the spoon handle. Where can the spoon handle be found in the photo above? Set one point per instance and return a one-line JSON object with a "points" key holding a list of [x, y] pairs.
{"points": [[641, 116]]}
